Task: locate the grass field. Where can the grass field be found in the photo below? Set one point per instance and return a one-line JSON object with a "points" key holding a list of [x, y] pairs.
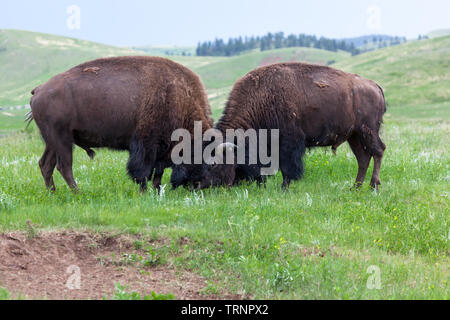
{"points": [[11, 121], [319, 240], [315, 241]]}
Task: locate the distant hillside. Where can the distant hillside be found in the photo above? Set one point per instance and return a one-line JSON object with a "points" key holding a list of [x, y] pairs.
{"points": [[28, 59], [370, 40], [241, 45], [226, 71], [220, 75], [417, 72], [439, 33], [166, 50]]}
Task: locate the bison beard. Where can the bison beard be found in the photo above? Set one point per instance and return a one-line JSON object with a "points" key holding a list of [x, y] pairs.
{"points": [[312, 106], [124, 103]]}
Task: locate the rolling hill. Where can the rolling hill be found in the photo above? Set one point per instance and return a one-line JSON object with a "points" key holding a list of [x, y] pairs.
{"points": [[166, 50], [416, 72], [439, 33], [28, 59]]}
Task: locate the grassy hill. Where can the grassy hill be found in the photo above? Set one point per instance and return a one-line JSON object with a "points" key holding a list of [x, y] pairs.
{"points": [[416, 72], [439, 33], [166, 50], [28, 59]]}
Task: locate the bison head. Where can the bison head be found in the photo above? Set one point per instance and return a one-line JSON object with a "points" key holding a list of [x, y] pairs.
{"points": [[211, 173]]}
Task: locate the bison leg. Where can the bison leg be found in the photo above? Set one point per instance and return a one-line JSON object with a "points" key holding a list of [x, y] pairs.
{"points": [[159, 172], [261, 180], [291, 162], [377, 159], [362, 156], [375, 147], [47, 164], [141, 163], [90, 153], [335, 146], [375, 181], [64, 164]]}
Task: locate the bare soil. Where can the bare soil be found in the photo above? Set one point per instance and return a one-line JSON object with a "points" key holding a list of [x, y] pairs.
{"points": [[39, 267]]}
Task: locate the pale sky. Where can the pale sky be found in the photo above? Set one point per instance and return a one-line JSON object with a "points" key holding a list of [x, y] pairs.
{"points": [[176, 22]]}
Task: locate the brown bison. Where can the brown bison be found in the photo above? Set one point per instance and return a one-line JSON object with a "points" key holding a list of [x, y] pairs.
{"points": [[124, 103], [312, 106]]}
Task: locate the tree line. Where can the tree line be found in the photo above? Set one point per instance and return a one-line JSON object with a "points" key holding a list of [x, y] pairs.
{"points": [[278, 40]]}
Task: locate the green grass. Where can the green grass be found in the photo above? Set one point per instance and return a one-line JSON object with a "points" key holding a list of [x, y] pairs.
{"points": [[315, 241], [11, 120], [4, 294], [121, 293]]}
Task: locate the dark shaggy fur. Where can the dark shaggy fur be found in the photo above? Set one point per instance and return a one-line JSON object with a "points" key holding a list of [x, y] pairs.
{"points": [[124, 103], [312, 106]]}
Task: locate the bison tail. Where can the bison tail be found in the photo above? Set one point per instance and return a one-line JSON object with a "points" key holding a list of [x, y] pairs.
{"points": [[29, 118], [384, 98], [33, 92]]}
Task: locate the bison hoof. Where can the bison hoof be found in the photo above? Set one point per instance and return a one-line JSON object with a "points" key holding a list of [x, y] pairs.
{"points": [[91, 154], [356, 186], [374, 184], [75, 190]]}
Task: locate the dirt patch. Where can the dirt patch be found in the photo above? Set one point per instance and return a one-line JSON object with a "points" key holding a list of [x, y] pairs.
{"points": [[45, 266]]}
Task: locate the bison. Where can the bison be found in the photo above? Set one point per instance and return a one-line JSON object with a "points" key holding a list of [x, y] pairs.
{"points": [[311, 106], [121, 103]]}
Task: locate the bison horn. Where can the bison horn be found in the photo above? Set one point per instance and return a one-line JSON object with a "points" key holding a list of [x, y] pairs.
{"points": [[227, 145]]}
